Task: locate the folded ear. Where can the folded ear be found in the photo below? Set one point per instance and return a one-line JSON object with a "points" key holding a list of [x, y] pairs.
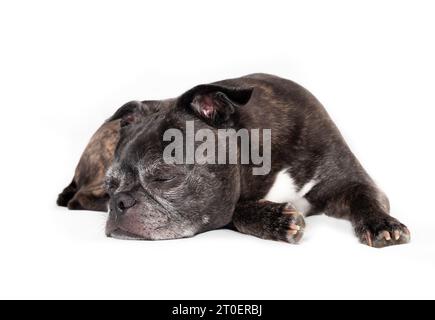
{"points": [[213, 103], [128, 113], [135, 111]]}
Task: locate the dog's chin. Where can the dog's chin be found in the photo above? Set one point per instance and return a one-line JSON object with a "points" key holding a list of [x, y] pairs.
{"points": [[157, 234], [125, 235]]}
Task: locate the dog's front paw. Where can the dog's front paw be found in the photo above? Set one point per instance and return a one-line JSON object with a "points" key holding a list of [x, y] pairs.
{"points": [[382, 231], [290, 224]]}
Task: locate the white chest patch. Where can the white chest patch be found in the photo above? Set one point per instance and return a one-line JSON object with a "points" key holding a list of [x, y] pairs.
{"points": [[284, 189]]}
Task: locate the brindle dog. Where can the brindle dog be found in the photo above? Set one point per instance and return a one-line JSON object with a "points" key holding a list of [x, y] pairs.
{"points": [[312, 167]]}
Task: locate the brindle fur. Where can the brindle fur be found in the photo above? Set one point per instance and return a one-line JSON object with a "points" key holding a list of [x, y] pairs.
{"points": [[87, 191], [305, 142]]}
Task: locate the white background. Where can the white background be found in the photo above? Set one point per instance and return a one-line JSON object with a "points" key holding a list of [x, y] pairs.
{"points": [[65, 66]]}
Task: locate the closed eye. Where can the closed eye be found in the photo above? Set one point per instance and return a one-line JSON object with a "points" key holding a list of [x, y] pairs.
{"points": [[159, 174], [163, 179]]}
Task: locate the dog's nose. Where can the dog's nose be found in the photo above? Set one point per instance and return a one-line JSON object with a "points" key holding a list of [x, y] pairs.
{"points": [[124, 201]]}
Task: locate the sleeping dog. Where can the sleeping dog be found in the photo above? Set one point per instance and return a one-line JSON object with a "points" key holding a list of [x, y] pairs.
{"points": [[155, 189]]}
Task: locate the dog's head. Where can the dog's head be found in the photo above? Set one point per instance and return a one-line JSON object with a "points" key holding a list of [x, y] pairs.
{"points": [[152, 196]]}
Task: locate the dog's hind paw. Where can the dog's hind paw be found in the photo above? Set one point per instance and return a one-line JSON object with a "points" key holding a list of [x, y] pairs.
{"points": [[383, 232]]}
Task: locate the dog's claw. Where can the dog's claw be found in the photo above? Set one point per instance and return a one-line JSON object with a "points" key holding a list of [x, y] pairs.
{"points": [[387, 235], [290, 210], [295, 227], [368, 239], [293, 232]]}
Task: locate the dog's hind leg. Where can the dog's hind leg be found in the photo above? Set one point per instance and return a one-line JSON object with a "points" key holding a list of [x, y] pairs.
{"points": [[67, 194], [367, 208], [84, 200]]}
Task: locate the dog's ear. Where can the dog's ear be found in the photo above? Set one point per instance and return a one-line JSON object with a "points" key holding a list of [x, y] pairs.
{"points": [[214, 104], [129, 113]]}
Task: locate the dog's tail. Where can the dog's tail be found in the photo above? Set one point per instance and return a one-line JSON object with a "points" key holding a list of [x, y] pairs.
{"points": [[67, 194]]}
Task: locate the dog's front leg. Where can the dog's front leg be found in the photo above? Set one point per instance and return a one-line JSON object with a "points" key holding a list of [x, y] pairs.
{"points": [[269, 220]]}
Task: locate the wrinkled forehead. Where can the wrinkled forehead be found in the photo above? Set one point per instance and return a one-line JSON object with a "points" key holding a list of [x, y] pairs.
{"points": [[139, 145], [140, 138], [128, 170]]}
